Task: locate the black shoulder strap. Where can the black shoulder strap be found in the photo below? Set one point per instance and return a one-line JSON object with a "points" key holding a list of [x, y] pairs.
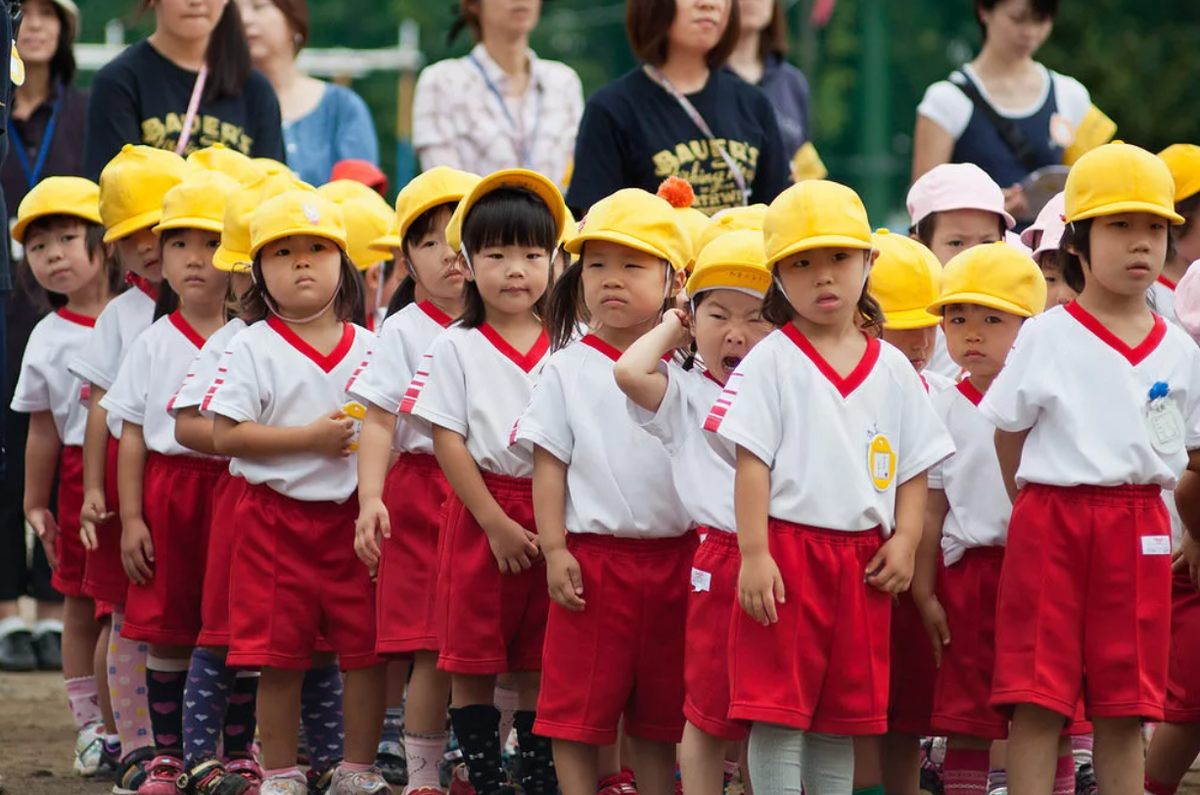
{"points": [[1010, 131]]}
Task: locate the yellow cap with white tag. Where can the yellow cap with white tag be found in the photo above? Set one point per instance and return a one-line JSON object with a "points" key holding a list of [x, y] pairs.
{"points": [[16, 67]]}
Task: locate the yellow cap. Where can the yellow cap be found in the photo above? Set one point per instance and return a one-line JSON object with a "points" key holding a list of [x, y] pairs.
{"points": [[996, 276], [679, 194], [341, 189], [1120, 178], [531, 181], [569, 229], [272, 167], [367, 219], [132, 187], [732, 220], [815, 214], [1183, 160], [234, 252], [734, 261], [439, 185], [198, 202], [637, 219], [297, 212], [73, 196], [904, 280], [227, 161]]}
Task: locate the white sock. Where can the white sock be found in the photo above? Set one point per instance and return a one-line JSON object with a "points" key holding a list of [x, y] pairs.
{"points": [[47, 625], [775, 756], [828, 764], [12, 624]]}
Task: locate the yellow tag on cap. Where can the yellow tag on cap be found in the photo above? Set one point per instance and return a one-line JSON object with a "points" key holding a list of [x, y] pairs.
{"points": [[881, 462], [16, 68]]}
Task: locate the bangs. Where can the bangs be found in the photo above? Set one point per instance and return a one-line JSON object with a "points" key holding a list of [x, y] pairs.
{"points": [[426, 222], [509, 217]]}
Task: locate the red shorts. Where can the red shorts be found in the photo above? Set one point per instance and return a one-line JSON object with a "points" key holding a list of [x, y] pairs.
{"points": [[912, 672], [104, 610], [222, 537], [706, 659], [72, 557], [1086, 586], [295, 576], [623, 654], [415, 494], [1183, 684], [178, 510], [824, 666], [104, 577], [489, 622]]}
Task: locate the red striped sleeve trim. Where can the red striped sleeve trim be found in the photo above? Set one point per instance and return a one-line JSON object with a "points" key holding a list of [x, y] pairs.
{"points": [[420, 378]]}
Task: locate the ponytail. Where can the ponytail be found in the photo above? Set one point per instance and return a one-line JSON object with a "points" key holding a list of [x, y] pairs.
{"points": [[566, 307], [228, 56], [406, 293]]}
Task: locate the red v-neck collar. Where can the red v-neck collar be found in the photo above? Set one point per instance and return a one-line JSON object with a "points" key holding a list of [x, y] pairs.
{"points": [[526, 361], [186, 329], [708, 374], [592, 341], [75, 317], [1136, 354], [968, 390], [1165, 282], [435, 314], [326, 363], [148, 287], [846, 385]]}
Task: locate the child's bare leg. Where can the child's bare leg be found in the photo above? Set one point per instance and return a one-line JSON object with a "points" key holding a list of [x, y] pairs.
{"points": [[1033, 750]]}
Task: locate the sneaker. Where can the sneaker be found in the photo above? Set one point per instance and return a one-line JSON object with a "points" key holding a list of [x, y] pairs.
{"points": [[617, 784], [360, 782], [161, 775], [291, 784], [47, 647], [249, 770], [110, 762], [131, 771], [1085, 780], [16, 651], [391, 762], [210, 777], [459, 783], [88, 746], [319, 780], [931, 771]]}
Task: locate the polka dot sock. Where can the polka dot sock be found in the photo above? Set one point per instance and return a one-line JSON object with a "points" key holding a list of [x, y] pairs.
{"points": [[321, 716], [127, 684], [477, 728]]}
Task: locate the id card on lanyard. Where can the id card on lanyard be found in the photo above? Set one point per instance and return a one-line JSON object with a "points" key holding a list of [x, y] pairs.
{"points": [[33, 173], [523, 143]]}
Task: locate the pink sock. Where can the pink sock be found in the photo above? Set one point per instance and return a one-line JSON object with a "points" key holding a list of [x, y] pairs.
{"points": [[966, 772], [85, 703], [127, 681], [1064, 776], [507, 701], [354, 767], [1155, 788], [423, 752], [284, 772]]}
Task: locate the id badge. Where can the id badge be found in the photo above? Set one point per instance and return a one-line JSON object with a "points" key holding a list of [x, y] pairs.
{"points": [[1164, 422], [881, 463]]}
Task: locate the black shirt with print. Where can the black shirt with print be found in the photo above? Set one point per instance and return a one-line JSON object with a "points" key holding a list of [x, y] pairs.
{"points": [[634, 135], [142, 98]]}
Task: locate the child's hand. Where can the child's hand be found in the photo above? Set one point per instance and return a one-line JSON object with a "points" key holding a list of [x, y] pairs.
{"points": [[679, 318], [760, 586], [565, 579], [933, 616], [43, 523], [515, 547], [95, 511], [1188, 559], [373, 521], [331, 435], [891, 568], [137, 551]]}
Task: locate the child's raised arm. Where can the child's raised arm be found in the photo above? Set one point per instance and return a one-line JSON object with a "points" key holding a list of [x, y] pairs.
{"points": [[637, 371]]}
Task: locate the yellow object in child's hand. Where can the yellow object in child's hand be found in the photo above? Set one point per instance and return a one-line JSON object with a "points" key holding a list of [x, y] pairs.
{"points": [[357, 412]]}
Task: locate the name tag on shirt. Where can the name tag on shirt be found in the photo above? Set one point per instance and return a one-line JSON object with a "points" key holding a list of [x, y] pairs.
{"points": [[1151, 545]]}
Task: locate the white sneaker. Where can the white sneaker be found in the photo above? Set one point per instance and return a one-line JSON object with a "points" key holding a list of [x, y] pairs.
{"points": [[362, 782], [292, 784], [88, 746]]}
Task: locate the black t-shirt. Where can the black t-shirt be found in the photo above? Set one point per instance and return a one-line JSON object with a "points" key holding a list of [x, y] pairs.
{"points": [[142, 98], [634, 135]]}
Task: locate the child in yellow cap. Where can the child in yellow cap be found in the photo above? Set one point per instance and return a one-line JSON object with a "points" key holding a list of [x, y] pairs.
{"points": [[1184, 162], [58, 223], [723, 323], [1095, 415], [284, 418], [613, 529], [834, 433]]}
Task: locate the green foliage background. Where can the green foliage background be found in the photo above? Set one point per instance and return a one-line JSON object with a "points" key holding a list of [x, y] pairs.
{"points": [[1139, 58]]}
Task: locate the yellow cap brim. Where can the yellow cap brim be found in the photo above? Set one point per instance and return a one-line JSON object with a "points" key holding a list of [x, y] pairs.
{"points": [[730, 277], [385, 244], [821, 241], [299, 230], [366, 263], [1130, 207], [910, 319], [575, 245], [134, 224], [203, 224], [18, 230], [979, 299], [231, 261]]}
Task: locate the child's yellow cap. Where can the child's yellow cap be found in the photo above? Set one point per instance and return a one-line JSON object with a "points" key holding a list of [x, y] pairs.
{"points": [[439, 185], [531, 181], [734, 261], [732, 220], [198, 202], [1120, 178], [234, 252], [132, 187], [339, 190], [73, 196], [272, 166], [1183, 160], [904, 280], [569, 229], [367, 218], [995, 275], [227, 161], [297, 212], [637, 219], [815, 214]]}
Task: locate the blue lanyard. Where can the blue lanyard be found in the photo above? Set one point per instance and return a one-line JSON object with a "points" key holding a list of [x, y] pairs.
{"points": [[32, 175], [523, 143]]}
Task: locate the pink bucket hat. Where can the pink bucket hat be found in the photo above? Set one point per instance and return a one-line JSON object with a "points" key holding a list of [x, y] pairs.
{"points": [[1187, 302], [956, 186], [1050, 223]]}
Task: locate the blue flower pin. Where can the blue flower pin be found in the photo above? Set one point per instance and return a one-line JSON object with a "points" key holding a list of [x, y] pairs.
{"points": [[1159, 390]]}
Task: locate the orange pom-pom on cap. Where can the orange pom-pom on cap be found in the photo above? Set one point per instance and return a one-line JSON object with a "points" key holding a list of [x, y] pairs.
{"points": [[677, 192]]}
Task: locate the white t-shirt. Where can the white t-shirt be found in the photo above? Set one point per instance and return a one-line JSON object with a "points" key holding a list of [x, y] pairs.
{"points": [[618, 477], [935, 383], [702, 471], [274, 378], [153, 368], [404, 338], [979, 503], [1083, 395], [45, 383], [204, 368], [837, 447], [946, 104], [472, 382], [1161, 298]]}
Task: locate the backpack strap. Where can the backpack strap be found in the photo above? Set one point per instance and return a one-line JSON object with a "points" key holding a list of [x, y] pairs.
{"points": [[1010, 132]]}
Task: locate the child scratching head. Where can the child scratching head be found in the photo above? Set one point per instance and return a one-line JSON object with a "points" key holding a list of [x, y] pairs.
{"points": [[956, 206], [132, 188], [904, 281], [189, 233]]}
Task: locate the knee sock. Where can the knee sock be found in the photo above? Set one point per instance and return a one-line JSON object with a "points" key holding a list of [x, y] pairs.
{"points": [[85, 703], [165, 680], [1064, 776], [828, 764], [965, 772], [240, 719], [205, 699], [423, 752], [774, 756], [478, 730], [536, 767], [393, 725], [1152, 787], [1081, 749], [127, 682], [321, 714], [507, 700]]}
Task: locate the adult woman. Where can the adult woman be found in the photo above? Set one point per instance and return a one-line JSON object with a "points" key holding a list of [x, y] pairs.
{"points": [[758, 59], [323, 123], [501, 106], [198, 48], [1003, 111], [680, 114]]}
